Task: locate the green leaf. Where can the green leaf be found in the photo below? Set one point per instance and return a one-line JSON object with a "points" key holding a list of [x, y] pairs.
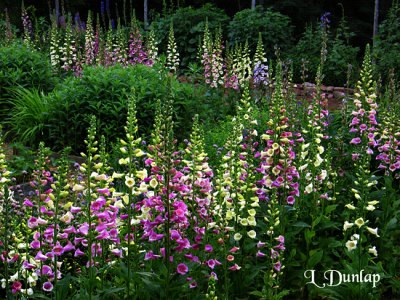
{"points": [[314, 259], [40, 296], [376, 194], [256, 293], [111, 291], [301, 224], [335, 244], [62, 287], [289, 208], [329, 224], [330, 208], [308, 234], [151, 286], [391, 224], [316, 221]]}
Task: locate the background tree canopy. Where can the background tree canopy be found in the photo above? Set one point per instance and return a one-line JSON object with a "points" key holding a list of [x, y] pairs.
{"points": [[359, 13]]}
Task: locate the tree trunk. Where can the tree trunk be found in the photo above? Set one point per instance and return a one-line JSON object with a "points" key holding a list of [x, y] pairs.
{"points": [[253, 4], [145, 14], [376, 16]]}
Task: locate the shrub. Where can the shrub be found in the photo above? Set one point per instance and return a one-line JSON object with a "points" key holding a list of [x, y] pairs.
{"points": [[21, 163], [308, 47], [104, 92], [188, 28], [274, 27], [387, 43], [23, 67], [61, 117], [340, 54]]}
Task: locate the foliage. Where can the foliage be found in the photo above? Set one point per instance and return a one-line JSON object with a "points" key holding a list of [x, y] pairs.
{"points": [[188, 28], [29, 116], [387, 43], [103, 92], [308, 47], [214, 139], [340, 54], [275, 29], [284, 190], [20, 162], [23, 67], [238, 191]]}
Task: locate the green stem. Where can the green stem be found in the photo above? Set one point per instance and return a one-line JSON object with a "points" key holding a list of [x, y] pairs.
{"points": [[6, 237], [129, 223], [39, 213], [225, 274], [55, 242], [88, 200], [167, 233]]}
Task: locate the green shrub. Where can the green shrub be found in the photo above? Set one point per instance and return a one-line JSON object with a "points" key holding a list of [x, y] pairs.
{"points": [[61, 118], [21, 164], [308, 48], [387, 43], [104, 92], [340, 54], [274, 27], [188, 28], [20, 66]]}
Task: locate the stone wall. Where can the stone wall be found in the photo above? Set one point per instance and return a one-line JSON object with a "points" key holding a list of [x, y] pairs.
{"points": [[332, 95]]}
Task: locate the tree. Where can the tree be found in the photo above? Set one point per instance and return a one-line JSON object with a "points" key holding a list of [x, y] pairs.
{"points": [[145, 14], [57, 5], [376, 16], [253, 4]]}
